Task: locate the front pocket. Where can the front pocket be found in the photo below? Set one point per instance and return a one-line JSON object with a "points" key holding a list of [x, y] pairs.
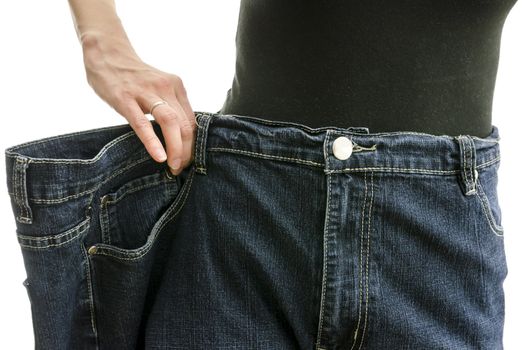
{"points": [[133, 215], [128, 213], [124, 280], [487, 194]]}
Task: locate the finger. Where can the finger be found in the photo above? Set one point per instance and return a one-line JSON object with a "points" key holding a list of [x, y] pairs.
{"points": [[169, 119], [143, 128], [181, 96], [187, 131]]}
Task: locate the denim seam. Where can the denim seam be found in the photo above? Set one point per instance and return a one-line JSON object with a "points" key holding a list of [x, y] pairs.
{"points": [[464, 164], [488, 163], [471, 158], [171, 212], [312, 163], [104, 222], [360, 301], [104, 216], [54, 240], [305, 128], [19, 185], [396, 170], [54, 138], [90, 295], [197, 156], [152, 183], [497, 230], [341, 130], [478, 239], [266, 156], [325, 256], [468, 162], [99, 154], [93, 189], [200, 144], [381, 169], [368, 257]]}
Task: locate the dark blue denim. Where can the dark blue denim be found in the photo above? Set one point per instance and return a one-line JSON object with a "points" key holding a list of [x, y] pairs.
{"points": [[276, 236]]}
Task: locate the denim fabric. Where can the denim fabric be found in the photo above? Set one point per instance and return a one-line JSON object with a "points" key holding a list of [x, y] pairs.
{"points": [[276, 236]]}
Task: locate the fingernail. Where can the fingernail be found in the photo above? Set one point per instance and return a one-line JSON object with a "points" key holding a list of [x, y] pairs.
{"points": [[160, 155], [175, 164]]}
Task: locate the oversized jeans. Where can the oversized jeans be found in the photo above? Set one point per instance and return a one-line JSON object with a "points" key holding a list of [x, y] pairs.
{"points": [[276, 236]]}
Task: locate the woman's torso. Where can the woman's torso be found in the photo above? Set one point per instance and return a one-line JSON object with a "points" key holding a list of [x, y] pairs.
{"points": [[416, 65]]}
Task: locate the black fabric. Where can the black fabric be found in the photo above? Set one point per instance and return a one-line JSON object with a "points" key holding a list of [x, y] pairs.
{"points": [[417, 65]]}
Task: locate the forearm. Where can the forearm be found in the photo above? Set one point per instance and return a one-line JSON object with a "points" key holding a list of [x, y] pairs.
{"points": [[99, 28]]}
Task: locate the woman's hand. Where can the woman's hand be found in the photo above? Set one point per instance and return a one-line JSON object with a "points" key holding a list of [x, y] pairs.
{"points": [[131, 86]]}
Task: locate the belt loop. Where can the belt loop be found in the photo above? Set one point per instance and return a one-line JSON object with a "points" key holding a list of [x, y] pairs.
{"points": [[23, 211], [468, 163], [202, 126]]}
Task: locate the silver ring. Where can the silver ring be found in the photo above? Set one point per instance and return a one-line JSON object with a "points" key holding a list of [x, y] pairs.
{"points": [[155, 104]]}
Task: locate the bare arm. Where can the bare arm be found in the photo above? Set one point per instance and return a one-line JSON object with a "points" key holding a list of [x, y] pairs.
{"points": [[130, 86], [94, 20]]}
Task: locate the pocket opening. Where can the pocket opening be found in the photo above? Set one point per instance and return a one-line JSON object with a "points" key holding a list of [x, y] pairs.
{"points": [[167, 213], [486, 185]]}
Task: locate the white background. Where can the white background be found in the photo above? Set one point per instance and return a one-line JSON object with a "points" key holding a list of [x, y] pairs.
{"points": [[44, 92]]}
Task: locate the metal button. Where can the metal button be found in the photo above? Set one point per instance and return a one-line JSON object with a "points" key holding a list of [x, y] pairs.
{"points": [[342, 148], [92, 250]]}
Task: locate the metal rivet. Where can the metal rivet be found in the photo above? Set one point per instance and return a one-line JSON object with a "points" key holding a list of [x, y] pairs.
{"points": [[169, 175], [104, 199], [92, 250]]}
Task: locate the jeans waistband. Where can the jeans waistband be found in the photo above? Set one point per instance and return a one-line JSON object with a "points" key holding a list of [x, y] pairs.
{"points": [[56, 169], [60, 168], [397, 151]]}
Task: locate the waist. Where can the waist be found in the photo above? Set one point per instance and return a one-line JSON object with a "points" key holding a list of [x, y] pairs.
{"points": [[67, 166], [351, 149], [438, 109]]}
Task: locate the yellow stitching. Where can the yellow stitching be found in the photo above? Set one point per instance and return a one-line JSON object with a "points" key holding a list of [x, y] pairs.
{"points": [[325, 261], [361, 262], [309, 162], [498, 230], [55, 237], [84, 161], [90, 291], [202, 140], [81, 228], [262, 155], [156, 182], [368, 255], [93, 189], [54, 138], [120, 254]]}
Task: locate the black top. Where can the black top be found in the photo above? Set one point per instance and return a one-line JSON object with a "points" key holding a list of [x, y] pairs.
{"points": [[416, 65]]}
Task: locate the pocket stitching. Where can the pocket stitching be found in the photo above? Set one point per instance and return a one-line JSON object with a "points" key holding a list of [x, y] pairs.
{"points": [[54, 240], [498, 230], [123, 191], [137, 253]]}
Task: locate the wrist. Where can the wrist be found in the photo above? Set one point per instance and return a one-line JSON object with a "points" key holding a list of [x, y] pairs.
{"points": [[97, 46]]}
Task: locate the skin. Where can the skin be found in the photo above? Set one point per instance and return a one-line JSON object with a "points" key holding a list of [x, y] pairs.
{"points": [[130, 86]]}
